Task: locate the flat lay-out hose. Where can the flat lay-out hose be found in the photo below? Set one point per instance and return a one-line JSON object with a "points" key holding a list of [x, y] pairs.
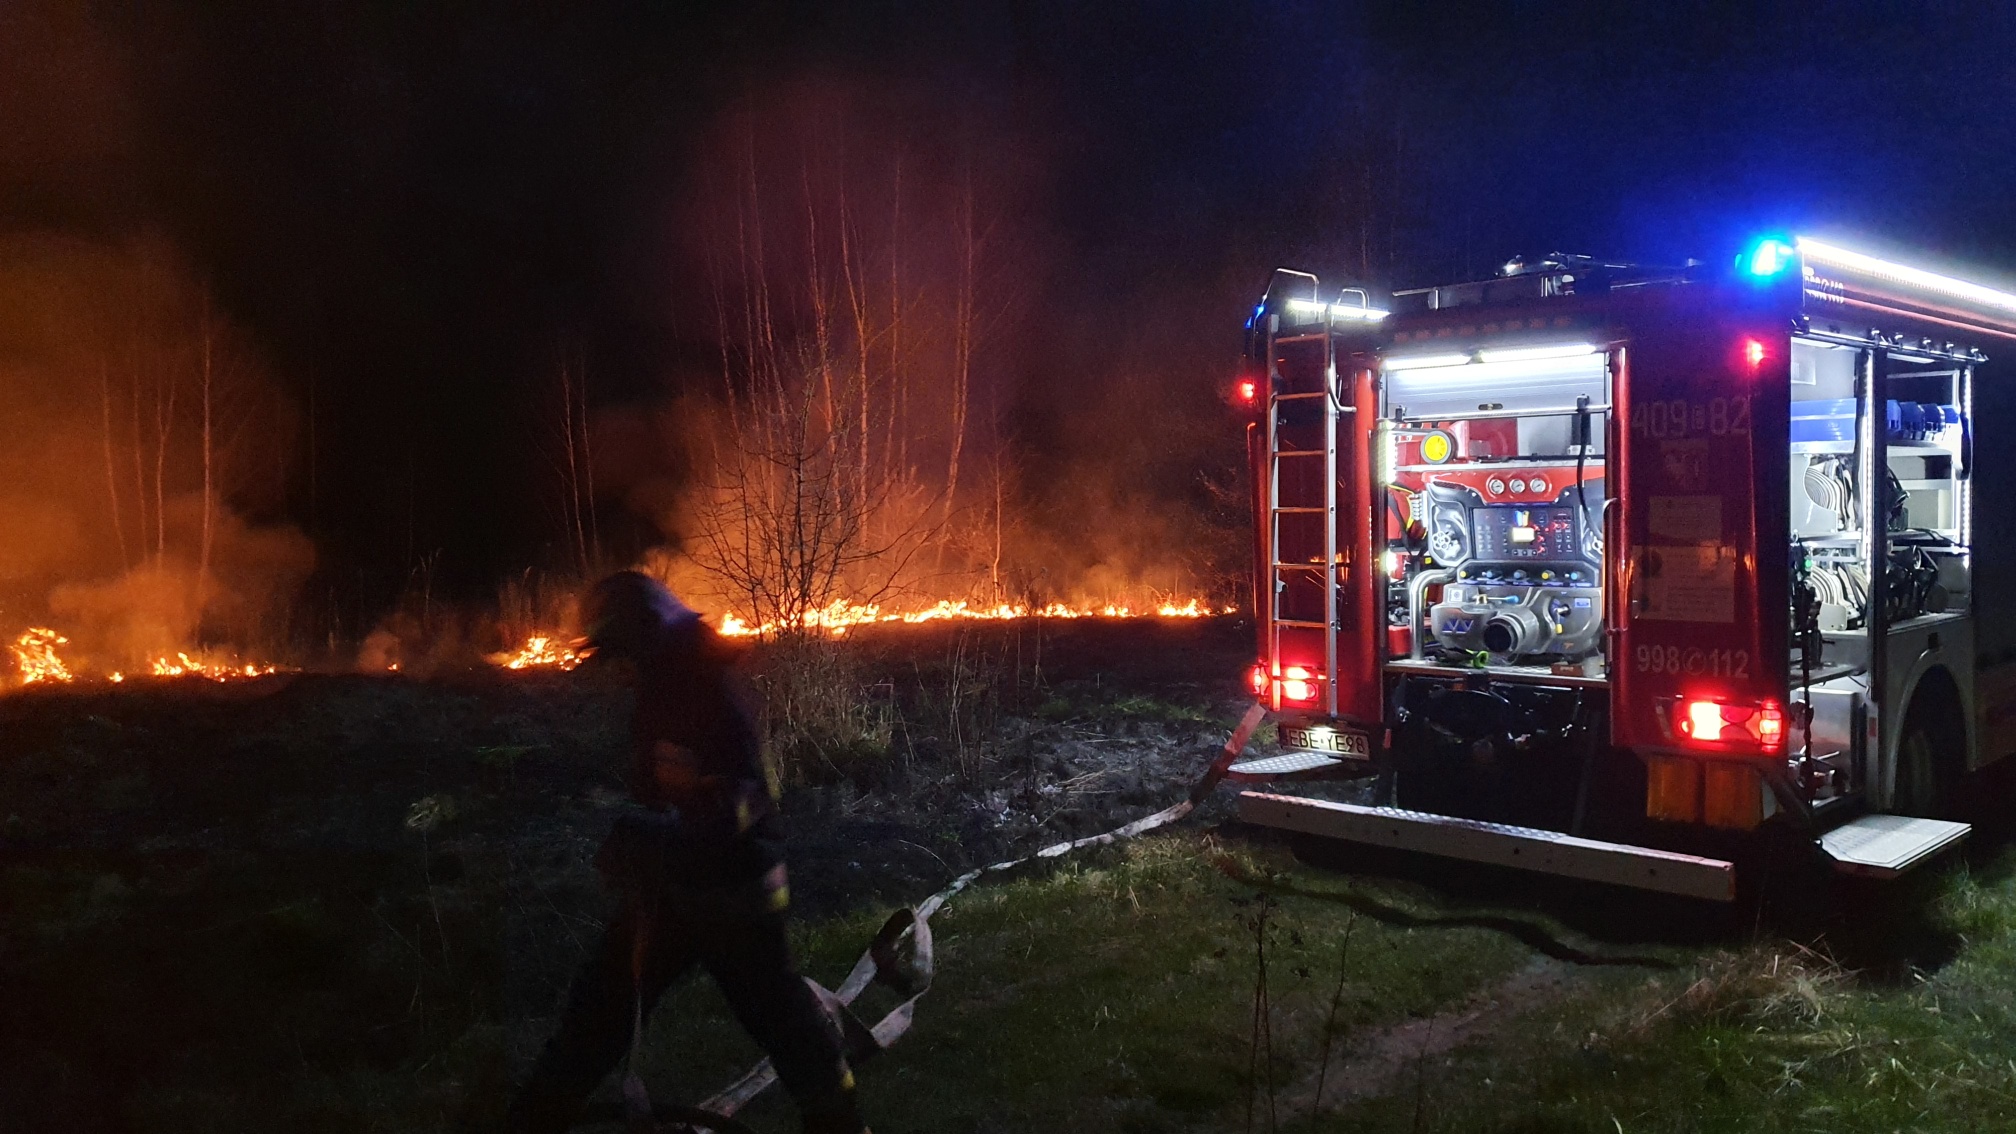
{"points": [[907, 931]]}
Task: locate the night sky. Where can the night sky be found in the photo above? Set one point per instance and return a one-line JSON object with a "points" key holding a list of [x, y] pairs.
{"points": [[411, 208]]}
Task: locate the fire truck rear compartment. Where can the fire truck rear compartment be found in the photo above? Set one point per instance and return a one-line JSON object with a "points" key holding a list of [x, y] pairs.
{"points": [[1719, 527], [1495, 479]]}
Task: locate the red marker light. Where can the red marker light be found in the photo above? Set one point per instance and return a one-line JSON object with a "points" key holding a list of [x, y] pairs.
{"points": [[1753, 352], [1771, 726], [1257, 680], [1248, 389]]}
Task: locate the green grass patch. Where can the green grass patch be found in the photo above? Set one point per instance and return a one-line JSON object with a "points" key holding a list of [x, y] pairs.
{"points": [[1116, 993], [1111, 993], [1772, 1037]]}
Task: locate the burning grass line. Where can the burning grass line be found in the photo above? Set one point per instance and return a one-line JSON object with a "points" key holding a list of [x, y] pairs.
{"points": [[838, 617], [38, 662], [540, 651]]}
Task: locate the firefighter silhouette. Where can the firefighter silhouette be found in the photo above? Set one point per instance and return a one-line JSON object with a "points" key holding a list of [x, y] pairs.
{"points": [[699, 867]]}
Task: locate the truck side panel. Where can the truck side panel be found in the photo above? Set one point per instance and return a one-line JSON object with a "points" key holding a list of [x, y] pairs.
{"points": [[1994, 558], [1703, 565]]}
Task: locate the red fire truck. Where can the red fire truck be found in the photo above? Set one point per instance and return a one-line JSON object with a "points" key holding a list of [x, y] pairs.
{"points": [[1606, 571]]}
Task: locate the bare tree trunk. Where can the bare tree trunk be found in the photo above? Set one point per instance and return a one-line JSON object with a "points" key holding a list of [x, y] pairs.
{"points": [[588, 475], [571, 508], [314, 526], [822, 325], [962, 347], [854, 274], [139, 461], [164, 429], [898, 423], [1000, 495], [111, 471], [209, 476]]}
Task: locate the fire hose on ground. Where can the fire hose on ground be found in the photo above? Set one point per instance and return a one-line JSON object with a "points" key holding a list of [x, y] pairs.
{"points": [[883, 963]]}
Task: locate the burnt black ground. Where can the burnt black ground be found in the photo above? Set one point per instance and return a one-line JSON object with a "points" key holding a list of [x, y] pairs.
{"points": [[228, 901]]}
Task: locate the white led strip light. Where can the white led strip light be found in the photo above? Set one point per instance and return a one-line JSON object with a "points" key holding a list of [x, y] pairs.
{"points": [[1816, 252], [1426, 361], [1536, 354], [1337, 310], [1493, 356]]}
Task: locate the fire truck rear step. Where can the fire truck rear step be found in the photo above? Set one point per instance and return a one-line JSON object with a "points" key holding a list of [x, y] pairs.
{"points": [[1524, 848], [1884, 846], [1288, 765]]}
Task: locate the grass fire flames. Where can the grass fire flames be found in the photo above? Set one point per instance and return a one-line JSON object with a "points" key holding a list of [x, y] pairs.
{"points": [[38, 662], [541, 651], [547, 651], [185, 666], [35, 654], [842, 616]]}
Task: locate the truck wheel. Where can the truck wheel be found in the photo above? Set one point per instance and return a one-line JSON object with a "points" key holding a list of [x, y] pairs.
{"points": [[1926, 755]]}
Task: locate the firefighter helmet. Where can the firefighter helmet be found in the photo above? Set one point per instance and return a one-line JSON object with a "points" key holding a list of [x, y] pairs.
{"points": [[628, 613]]}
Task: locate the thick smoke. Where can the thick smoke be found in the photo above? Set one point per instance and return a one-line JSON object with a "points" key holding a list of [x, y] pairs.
{"points": [[143, 450], [871, 275], [142, 446]]}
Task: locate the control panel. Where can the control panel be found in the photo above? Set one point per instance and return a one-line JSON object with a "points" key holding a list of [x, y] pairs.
{"points": [[1516, 531], [1524, 567]]}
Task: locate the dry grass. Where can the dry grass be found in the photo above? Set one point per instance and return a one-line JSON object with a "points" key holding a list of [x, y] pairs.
{"points": [[1782, 983], [823, 714]]}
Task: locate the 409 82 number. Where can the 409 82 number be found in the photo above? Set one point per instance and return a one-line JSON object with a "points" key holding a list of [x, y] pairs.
{"points": [[1678, 417]]}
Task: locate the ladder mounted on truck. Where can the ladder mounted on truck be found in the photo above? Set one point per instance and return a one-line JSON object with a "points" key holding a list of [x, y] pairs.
{"points": [[1290, 394]]}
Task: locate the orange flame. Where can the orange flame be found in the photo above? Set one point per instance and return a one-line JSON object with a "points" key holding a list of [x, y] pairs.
{"points": [[185, 666], [541, 651], [36, 657], [546, 651], [841, 616], [35, 652]]}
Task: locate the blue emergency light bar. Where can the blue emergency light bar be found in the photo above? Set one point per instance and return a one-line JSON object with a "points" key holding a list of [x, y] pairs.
{"points": [[1767, 256], [1770, 256]]}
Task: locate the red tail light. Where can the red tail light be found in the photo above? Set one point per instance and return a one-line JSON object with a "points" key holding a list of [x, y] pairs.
{"points": [[1731, 725], [1702, 720], [1753, 352], [1247, 390], [1298, 684]]}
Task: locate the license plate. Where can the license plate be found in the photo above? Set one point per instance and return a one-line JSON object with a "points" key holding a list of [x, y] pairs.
{"points": [[1325, 738]]}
